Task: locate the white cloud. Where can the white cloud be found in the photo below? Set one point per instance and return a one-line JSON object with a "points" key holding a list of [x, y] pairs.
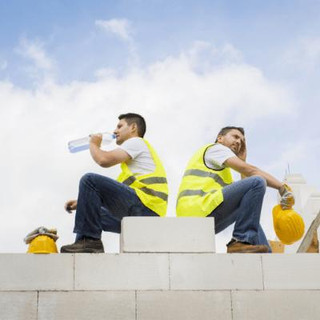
{"points": [[37, 66], [183, 108], [122, 28], [205, 57], [119, 27], [34, 50]]}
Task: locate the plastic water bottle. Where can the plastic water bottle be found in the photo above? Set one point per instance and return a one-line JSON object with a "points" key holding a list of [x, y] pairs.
{"points": [[84, 143]]}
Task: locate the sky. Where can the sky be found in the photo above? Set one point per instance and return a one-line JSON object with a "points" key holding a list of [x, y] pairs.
{"points": [[69, 68]]}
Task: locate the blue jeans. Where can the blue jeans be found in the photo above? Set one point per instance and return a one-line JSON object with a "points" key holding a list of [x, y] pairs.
{"points": [[242, 204], [102, 203]]}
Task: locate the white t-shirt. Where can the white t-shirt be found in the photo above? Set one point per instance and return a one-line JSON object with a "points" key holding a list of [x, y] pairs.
{"points": [[216, 155], [141, 159]]}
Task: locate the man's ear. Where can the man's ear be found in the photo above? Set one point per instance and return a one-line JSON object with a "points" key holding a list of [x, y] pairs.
{"points": [[219, 138], [134, 127]]}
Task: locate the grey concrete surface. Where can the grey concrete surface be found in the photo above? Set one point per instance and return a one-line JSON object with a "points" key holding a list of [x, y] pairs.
{"points": [[36, 272], [276, 304], [215, 272], [183, 305], [18, 305], [291, 271], [151, 234], [122, 272], [87, 305]]}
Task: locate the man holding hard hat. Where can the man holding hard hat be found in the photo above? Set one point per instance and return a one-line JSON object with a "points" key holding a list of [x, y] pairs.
{"points": [[207, 190]]}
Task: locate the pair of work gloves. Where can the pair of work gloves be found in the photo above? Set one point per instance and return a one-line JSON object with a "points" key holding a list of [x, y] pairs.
{"points": [[287, 197], [41, 231]]}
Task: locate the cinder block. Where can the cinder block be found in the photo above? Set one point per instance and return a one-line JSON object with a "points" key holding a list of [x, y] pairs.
{"points": [[36, 271], [152, 234], [291, 271], [87, 305], [121, 272], [183, 305], [266, 305], [18, 305], [215, 271]]}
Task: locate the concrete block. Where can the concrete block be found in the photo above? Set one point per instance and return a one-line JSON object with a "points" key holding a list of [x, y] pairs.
{"points": [[215, 271], [18, 305], [121, 272], [36, 272], [183, 305], [152, 234], [87, 305], [266, 305], [291, 271]]}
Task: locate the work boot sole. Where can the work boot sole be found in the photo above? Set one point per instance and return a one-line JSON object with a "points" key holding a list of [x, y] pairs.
{"points": [[86, 250], [241, 247], [262, 249]]}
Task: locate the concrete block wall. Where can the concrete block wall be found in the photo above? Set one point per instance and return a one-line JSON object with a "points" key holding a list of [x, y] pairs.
{"points": [[160, 285]]}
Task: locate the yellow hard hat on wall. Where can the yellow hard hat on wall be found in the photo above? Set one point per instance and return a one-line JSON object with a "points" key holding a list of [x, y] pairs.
{"points": [[288, 225], [42, 244]]}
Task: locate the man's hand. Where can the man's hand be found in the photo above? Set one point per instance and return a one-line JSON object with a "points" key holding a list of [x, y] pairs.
{"points": [[70, 205], [243, 151], [96, 139], [287, 198]]}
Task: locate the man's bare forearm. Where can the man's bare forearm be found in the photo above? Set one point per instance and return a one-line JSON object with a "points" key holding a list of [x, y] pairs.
{"points": [[272, 182]]}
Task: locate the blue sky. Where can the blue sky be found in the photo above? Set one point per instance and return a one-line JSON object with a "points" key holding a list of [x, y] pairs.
{"points": [[68, 68], [260, 30]]}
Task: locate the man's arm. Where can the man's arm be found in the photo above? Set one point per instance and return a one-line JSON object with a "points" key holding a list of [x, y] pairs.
{"points": [[243, 154], [239, 164], [248, 170], [106, 159]]}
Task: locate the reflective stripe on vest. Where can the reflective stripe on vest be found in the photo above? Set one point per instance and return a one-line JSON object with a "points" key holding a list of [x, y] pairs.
{"points": [[205, 174], [200, 191], [152, 188]]}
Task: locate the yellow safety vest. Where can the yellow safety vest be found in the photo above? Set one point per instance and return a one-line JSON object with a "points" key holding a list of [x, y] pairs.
{"points": [[200, 191], [151, 188]]}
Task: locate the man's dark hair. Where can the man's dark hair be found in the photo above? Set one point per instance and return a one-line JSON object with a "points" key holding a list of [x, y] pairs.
{"points": [[225, 130], [137, 119]]}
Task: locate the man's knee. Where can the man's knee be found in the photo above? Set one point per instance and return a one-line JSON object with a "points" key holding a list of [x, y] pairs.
{"points": [[259, 181], [87, 178]]}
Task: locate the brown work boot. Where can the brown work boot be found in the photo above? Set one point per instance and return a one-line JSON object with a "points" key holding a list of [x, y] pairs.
{"points": [[85, 245], [235, 246]]}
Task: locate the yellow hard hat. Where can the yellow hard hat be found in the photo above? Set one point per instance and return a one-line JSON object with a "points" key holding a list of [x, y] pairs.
{"points": [[42, 244], [288, 225]]}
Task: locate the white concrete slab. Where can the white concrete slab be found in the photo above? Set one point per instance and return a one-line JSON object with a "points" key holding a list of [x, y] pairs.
{"points": [[18, 305], [183, 305], [215, 271], [36, 271], [284, 305], [291, 271], [121, 272], [87, 305], [152, 234]]}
